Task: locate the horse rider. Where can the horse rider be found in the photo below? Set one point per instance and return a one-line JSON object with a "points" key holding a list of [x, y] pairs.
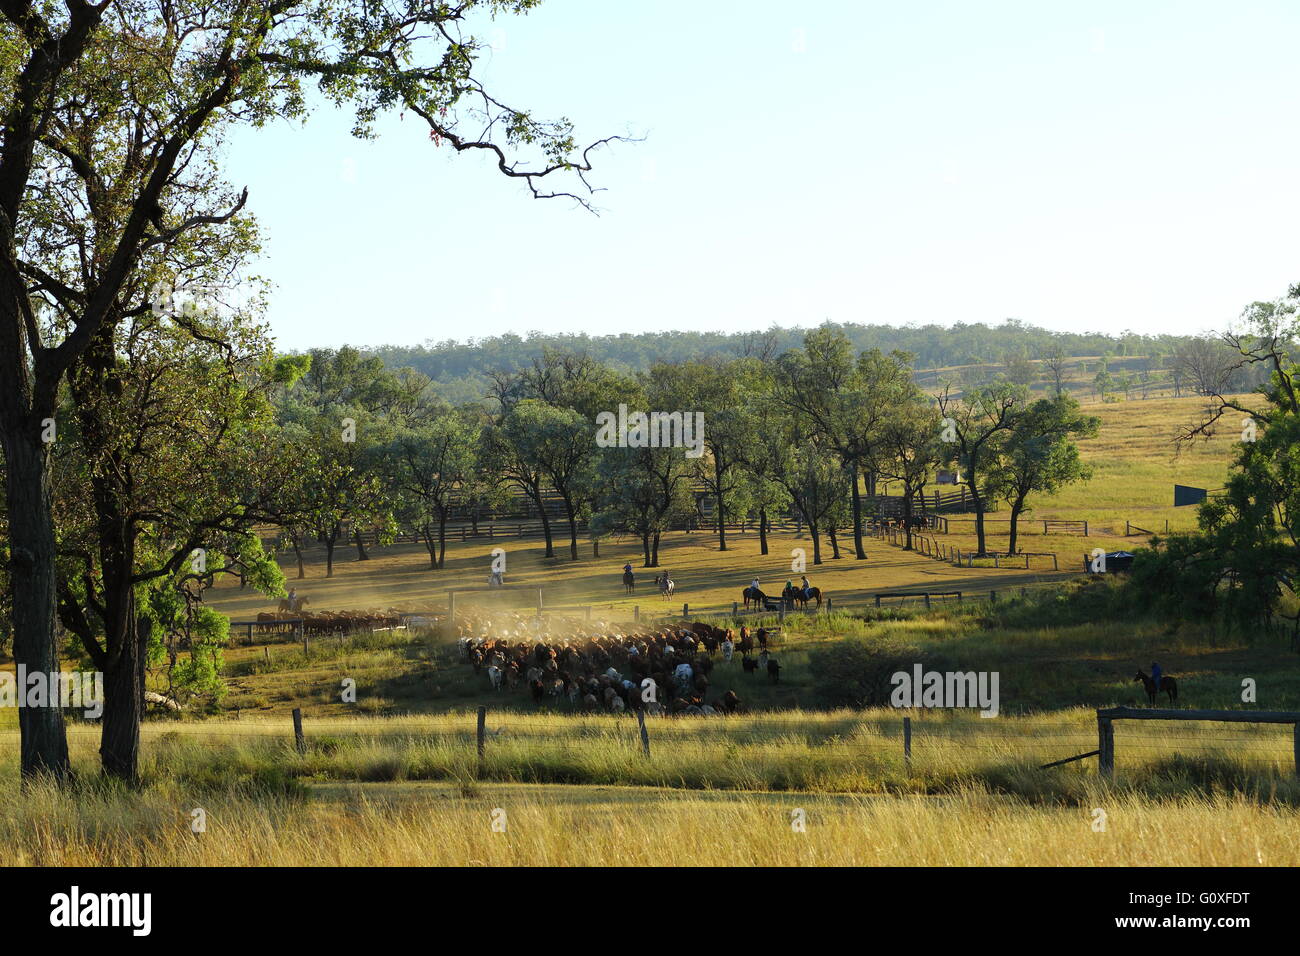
{"points": [[293, 599], [807, 588], [1156, 676], [754, 584]]}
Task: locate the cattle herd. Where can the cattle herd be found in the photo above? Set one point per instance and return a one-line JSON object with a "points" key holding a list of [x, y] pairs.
{"points": [[664, 671]]}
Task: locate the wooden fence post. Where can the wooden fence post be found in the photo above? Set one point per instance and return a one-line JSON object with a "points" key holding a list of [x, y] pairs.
{"points": [[304, 644], [636, 613], [927, 600], [686, 610], [482, 736], [1295, 736], [735, 608], [299, 739], [539, 602], [451, 606], [1106, 747], [907, 741], [645, 734]]}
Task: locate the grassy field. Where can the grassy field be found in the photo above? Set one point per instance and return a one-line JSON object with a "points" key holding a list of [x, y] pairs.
{"points": [[453, 825], [393, 777]]}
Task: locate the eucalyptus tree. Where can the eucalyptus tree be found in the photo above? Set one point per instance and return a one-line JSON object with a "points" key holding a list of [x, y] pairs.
{"points": [[112, 119], [1040, 455], [840, 399], [716, 390], [818, 487], [909, 449], [763, 458], [975, 428], [430, 459], [160, 463]]}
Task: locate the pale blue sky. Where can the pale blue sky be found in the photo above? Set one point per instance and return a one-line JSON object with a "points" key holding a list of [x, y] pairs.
{"points": [[1109, 166]]}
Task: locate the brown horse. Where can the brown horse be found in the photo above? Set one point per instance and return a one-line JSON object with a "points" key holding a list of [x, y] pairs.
{"points": [[758, 598], [796, 596], [1167, 684]]}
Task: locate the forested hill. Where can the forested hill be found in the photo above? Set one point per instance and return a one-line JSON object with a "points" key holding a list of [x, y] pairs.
{"points": [[460, 368]]}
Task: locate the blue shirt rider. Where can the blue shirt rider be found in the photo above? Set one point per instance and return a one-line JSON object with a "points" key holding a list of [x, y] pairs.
{"points": [[1155, 676]]}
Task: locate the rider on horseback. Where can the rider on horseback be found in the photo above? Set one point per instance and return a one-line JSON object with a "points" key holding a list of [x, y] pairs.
{"points": [[1155, 676], [807, 588]]}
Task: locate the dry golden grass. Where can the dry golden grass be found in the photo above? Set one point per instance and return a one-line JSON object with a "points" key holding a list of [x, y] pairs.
{"points": [[454, 826]]}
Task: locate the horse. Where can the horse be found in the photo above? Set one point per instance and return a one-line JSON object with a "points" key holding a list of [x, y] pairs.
{"points": [[666, 586], [1167, 684], [286, 606], [796, 596], [629, 582], [756, 596]]}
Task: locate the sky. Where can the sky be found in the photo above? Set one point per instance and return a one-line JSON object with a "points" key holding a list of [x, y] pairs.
{"points": [[1103, 167]]}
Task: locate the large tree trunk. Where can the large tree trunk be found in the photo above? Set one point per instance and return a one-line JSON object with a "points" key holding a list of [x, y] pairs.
{"points": [[361, 545], [645, 549], [297, 553], [44, 746], [978, 501], [329, 557], [573, 529], [817, 542], [722, 523], [124, 702], [1017, 507], [442, 538], [907, 518], [762, 531], [426, 532], [859, 551], [546, 523]]}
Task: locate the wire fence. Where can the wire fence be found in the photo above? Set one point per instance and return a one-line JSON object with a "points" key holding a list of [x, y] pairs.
{"points": [[515, 737]]}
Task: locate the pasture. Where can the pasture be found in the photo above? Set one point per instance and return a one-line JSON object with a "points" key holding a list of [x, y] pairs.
{"points": [[392, 777]]}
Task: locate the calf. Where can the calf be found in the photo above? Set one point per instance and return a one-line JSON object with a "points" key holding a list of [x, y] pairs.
{"points": [[774, 670], [749, 664]]}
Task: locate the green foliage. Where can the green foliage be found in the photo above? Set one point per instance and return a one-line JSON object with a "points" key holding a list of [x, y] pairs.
{"points": [[857, 673]]}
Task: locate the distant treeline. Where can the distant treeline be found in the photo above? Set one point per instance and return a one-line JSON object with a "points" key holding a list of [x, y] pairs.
{"points": [[461, 370]]}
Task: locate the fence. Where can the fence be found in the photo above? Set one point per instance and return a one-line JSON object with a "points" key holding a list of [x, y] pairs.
{"points": [[1106, 718], [942, 551], [855, 740]]}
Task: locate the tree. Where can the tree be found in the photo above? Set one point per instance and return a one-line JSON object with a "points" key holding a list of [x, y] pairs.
{"points": [[558, 445], [1245, 556], [1040, 455], [1056, 362], [717, 390], [109, 131], [842, 400], [763, 458], [430, 459], [162, 459], [644, 491], [910, 449], [974, 427], [818, 486]]}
